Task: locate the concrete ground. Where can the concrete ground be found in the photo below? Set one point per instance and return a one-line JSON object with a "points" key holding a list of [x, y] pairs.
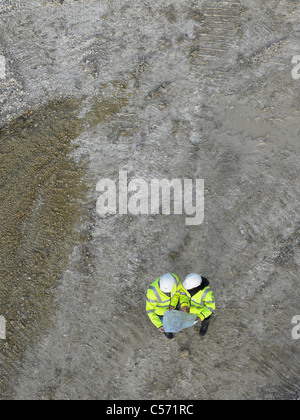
{"points": [[198, 89]]}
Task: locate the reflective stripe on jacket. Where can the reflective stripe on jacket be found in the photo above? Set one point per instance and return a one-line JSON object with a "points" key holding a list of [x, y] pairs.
{"points": [[202, 303], [158, 302]]}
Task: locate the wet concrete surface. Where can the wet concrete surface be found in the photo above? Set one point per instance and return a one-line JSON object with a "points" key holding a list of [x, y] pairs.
{"points": [[198, 89]]}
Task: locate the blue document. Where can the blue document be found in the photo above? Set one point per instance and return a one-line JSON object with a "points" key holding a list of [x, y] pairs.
{"points": [[175, 321]]}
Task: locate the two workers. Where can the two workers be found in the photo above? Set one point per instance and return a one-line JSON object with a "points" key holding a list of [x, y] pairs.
{"points": [[193, 296]]}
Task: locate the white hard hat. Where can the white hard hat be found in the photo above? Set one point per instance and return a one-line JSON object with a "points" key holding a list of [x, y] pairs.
{"points": [[192, 280], [166, 283]]}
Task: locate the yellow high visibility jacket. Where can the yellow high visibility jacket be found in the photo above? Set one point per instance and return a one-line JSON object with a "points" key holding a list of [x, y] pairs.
{"points": [[202, 303], [158, 302]]}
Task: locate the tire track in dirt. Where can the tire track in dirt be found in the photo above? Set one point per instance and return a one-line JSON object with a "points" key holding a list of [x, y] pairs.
{"points": [[42, 189]]}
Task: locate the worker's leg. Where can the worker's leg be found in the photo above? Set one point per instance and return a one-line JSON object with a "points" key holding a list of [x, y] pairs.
{"points": [[204, 326]]}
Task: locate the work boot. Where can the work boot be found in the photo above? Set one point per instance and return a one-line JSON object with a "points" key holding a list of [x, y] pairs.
{"points": [[170, 336], [204, 327]]}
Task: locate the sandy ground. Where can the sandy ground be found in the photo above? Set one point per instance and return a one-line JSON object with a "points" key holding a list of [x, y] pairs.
{"points": [[168, 89]]}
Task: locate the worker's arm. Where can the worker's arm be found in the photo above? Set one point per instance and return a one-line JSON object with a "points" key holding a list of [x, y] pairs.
{"points": [[184, 301], [209, 306], [150, 309], [175, 299]]}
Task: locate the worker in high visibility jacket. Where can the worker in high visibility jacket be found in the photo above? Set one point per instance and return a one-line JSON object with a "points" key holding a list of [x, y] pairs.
{"points": [[163, 295], [198, 298]]}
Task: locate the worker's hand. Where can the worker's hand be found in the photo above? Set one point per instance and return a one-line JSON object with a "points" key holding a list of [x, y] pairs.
{"points": [[161, 329], [186, 309], [198, 319], [171, 308]]}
